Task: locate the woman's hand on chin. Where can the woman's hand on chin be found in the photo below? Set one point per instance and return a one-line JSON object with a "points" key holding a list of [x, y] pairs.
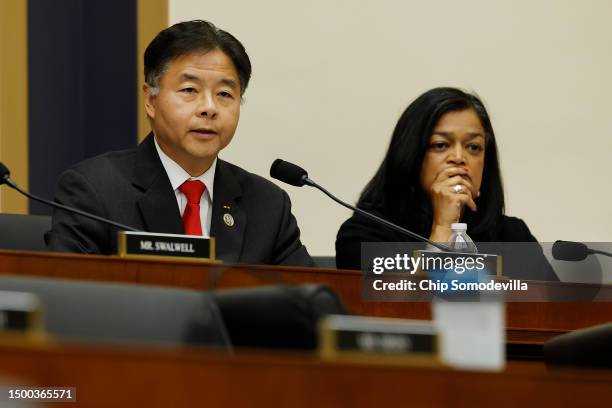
{"points": [[451, 191]]}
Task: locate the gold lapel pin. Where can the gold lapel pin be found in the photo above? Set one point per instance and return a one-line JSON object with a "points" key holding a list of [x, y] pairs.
{"points": [[228, 219]]}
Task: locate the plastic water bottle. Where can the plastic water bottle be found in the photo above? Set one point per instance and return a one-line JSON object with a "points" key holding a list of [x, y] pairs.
{"points": [[460, 240]]}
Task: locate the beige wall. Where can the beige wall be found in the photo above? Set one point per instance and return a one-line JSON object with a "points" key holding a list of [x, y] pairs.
{"points": [[14, 101], [330, 79], [152, 18]]}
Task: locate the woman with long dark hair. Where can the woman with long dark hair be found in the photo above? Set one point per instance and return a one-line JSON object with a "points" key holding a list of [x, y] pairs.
{"points": [[441, 167]]}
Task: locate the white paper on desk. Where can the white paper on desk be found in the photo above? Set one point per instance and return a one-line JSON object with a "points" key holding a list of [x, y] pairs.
{"points": [[472, 334]]}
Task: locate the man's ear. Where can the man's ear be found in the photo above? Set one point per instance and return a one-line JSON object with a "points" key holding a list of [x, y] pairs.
{"points": [[149, 94]]}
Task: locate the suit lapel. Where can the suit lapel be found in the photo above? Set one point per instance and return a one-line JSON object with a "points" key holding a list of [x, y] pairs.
{"points": [[160, 212], [157, 205], [228, 217]]}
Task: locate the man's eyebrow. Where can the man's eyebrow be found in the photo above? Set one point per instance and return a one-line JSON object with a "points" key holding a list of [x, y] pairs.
{"points": [[224, 81], [189, 77], [229, 82]]}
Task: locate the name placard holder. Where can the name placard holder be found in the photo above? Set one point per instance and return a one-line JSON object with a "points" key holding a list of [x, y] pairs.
{"points": [[160, 246], [20, 316], [376, 340]]}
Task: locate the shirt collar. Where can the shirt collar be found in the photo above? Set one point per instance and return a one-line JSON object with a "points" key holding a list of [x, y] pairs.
{"points": [[178, 175]]}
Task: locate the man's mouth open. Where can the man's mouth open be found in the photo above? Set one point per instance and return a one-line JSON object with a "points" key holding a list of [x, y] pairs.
{"points": [[204, 133]]}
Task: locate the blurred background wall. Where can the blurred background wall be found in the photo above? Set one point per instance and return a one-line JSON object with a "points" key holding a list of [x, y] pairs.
{"points": [[330, 79]]}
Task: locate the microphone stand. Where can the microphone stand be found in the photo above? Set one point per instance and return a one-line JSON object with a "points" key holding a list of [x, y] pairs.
{"points": [[411, 234], [9, 182]]}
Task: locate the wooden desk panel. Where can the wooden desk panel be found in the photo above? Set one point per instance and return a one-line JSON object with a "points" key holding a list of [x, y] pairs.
{"points": [[150, 377], [526, 322]]}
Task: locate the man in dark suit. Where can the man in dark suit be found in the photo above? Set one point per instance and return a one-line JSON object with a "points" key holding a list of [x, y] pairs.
{"points": [[174, 182]]}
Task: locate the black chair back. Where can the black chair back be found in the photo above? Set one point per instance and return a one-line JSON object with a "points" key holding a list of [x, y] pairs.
{"points": [[24, 232], [325, 261], [124, 313], [588, 347], [278, 316]]}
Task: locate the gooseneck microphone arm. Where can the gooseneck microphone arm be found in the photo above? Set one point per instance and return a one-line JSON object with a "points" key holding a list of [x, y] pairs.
{"points": [[296, 176], [358, 210], [597, 251], [6, 179]]}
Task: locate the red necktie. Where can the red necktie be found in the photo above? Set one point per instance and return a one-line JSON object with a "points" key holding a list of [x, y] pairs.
{"points": [[193, 189]]}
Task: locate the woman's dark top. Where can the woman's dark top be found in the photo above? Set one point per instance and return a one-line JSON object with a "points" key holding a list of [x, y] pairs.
{"points": [[520, 261]]}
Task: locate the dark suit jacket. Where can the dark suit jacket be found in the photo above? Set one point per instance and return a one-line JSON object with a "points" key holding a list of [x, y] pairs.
{"points": [[131, 187], [522, 256]]}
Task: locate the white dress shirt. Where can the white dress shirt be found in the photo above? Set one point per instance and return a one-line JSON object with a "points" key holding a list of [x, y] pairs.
{"points": [[178, 176]]}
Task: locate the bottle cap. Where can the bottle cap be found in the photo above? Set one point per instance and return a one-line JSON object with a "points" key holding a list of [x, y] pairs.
{"points": [[459, 226]]}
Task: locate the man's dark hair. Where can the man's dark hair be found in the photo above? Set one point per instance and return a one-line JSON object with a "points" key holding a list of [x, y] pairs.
{"points": [[191, 37], [395, 190]]}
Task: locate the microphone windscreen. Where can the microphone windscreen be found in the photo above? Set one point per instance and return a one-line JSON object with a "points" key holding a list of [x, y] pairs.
{"points": [[288, 173], [4, 172], [569, 251]]}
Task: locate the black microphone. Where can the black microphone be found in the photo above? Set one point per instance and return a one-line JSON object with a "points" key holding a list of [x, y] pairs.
{"points": [[296, 176], [5, 178], [573, 251], [5, 175], [288, 173]]}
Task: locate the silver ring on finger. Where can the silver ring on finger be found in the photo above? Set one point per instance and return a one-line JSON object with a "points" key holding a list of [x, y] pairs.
{"points": [[458, 189]]}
